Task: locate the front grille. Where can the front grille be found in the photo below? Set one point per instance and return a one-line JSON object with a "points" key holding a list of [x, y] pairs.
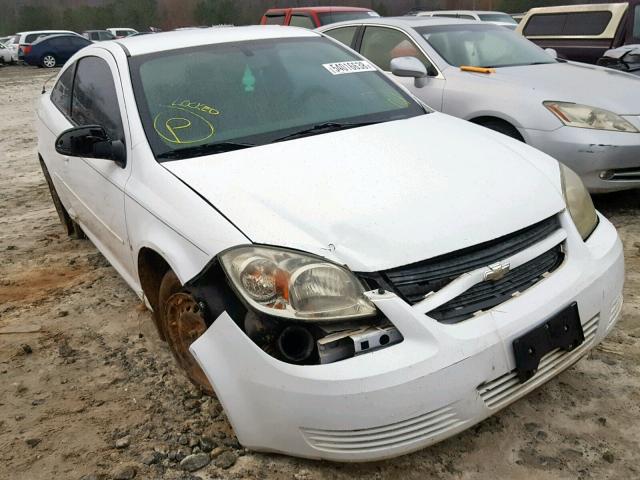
{"points": [[487, 295], [394, 435], [413, 282]]}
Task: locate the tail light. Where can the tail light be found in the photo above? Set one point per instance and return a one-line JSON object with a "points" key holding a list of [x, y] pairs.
{"points": [[25, 49]]}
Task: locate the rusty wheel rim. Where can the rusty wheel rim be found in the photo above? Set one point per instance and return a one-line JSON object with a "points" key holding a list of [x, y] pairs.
{"points": [[184, 325]]}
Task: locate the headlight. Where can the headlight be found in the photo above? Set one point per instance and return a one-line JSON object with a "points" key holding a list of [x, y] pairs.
{"points": [[581, 116], [296, 286], [579, 202]]}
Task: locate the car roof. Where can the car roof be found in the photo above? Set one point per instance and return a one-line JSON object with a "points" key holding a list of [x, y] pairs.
{"points": [[49, 37], [158, 42], [462, 11], [92, 31], [320, 9], [407, 21], [29, 32]]}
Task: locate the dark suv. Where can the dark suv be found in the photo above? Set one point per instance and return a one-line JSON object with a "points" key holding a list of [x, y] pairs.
{"points": [[583, 32]]}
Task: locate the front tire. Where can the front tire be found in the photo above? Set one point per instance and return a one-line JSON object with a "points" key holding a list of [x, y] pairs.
{"points": [[504, 128], [49, 60], [181, 323]]}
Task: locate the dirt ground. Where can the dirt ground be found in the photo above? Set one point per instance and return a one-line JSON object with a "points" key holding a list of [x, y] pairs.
{"points": [[87, 390]]}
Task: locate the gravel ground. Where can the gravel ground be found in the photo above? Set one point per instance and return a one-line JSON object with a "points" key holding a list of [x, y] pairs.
{"points": [[87, 390]]}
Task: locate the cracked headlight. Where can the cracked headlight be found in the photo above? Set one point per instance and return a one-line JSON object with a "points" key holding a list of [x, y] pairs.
{"points": [[582, 116], [295, 285], [579, 202]]}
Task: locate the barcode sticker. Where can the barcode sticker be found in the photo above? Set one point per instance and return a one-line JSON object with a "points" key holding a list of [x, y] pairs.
{"points": [[341, 68]]}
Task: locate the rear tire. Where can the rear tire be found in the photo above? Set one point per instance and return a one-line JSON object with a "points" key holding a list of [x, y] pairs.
{"points": [[181, 323], [49, 60]]}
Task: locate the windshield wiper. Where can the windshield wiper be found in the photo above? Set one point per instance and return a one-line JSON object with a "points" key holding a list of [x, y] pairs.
{"points": [[200, 150], [323, 128]]}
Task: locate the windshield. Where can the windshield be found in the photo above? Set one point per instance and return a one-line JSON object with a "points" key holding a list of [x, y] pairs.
{"points": [[256, 92], [332, 17], [497, 17], [483, 45]]}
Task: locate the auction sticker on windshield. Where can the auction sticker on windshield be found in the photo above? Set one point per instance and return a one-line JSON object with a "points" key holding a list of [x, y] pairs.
{"points": [[340, 68]]}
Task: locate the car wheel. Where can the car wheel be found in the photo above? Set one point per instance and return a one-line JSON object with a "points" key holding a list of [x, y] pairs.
{"points": [[182, 323], [504, 128], [49, 60]]}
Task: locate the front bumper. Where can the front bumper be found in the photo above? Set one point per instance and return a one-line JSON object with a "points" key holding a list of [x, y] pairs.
{"points": [[596, 155], [439, 381]]}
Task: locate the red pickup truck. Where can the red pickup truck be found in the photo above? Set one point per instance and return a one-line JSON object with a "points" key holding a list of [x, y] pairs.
{"points": [[314, 17]]}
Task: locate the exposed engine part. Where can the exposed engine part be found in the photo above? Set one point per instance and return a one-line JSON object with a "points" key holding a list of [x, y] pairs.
{"points": [[296, 343], [340, 345]]}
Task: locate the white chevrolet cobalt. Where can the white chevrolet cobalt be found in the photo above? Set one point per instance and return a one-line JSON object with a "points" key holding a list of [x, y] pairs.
{"points": [[354, 276]]}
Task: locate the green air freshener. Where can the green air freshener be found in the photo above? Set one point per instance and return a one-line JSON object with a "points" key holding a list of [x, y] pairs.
{"points": [[248, 80]]}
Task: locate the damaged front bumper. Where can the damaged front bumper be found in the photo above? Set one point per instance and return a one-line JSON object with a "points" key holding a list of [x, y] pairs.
{"points": [[438, 381], [606, 161]]}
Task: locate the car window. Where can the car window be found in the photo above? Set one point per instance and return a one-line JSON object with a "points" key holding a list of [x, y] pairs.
{"points": [[466, 17], [106, 36], [570, 24], [277, 19], [497, 17], [303, 21], [381, 45], [61, 93], [78, 42], [94, 99], [327, 18], [482, 45], [123, 33], [343, 35], [255, 92], [636, 23]]}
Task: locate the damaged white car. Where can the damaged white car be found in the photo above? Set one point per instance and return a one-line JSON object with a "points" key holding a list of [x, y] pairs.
{"points": [[354, 276]]}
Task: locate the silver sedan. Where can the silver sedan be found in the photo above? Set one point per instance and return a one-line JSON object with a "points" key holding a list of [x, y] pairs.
{"points": [[585, 116]]}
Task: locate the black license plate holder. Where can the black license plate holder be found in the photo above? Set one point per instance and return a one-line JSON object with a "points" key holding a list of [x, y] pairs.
{"points": [[563, 330]]}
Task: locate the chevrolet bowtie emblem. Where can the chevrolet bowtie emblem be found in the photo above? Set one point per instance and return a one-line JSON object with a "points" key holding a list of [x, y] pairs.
{"points": [[497, 271]]}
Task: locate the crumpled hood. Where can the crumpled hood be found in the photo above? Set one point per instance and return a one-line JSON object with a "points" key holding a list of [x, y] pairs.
{"points": [[380, 196], [612, 90]]}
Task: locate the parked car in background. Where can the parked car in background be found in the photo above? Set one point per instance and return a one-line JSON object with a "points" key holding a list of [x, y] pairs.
{"points": [[626, 59], [583, 32], [98, 35], [54, 50], [6, 55], [23, 40], [497, 18], [120, 32], [583, 115], [355, 276], [312, 17]]}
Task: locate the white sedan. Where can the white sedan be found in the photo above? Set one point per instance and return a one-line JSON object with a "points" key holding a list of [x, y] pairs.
{"points": [[6, 54], [354, 275]]}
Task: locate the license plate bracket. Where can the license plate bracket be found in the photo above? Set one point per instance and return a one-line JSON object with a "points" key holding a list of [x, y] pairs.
{"points": [[563, 330]]}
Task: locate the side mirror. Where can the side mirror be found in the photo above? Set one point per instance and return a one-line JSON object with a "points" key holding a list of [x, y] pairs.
{"points": [[552, 52], [91, 141], [410, 67]]}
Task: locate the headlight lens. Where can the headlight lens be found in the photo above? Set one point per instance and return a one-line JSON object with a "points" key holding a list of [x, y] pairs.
{"points": [[292, 285], [578, 202], [582, 116]]}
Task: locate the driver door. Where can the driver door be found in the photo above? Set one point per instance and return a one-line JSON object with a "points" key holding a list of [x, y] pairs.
{"points": [[97, 186], [382, 44]]}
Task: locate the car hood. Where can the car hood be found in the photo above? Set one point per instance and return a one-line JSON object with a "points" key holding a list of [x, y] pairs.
{"points": [[380, 196], [577, 82]]}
